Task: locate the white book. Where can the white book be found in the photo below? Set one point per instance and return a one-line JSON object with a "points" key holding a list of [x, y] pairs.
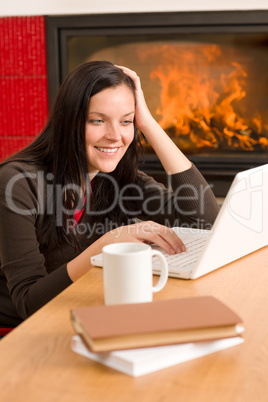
{"points": [[137, 362]]}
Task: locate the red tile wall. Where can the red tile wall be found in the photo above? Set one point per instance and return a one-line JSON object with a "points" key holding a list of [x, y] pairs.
{"points": [[23, 81]]}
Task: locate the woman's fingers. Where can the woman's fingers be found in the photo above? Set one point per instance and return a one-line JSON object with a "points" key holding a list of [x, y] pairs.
{"points": [[132, 74], [162, 236], [143, 117], [151, 233]]}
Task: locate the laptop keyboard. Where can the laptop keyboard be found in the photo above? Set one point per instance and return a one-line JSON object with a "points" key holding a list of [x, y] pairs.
{"points": [[194, 246]]}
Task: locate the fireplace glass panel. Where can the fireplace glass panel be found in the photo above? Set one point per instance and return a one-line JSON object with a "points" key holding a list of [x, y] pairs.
{"points": [[208, 91]]}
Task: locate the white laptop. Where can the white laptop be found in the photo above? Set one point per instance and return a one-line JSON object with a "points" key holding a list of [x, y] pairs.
{"points": [[240, 228]]}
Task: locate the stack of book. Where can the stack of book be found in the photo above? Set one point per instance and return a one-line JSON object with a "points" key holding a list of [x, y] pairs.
{"points": [[137, 339]]}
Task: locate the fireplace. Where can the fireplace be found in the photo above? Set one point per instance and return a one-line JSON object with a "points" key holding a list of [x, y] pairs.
{"points": [[204, 75]]}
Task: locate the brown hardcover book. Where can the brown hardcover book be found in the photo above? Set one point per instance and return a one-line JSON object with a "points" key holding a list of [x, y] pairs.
{"points": [[164, 322]]}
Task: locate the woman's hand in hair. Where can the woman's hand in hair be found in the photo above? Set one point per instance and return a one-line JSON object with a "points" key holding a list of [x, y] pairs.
{"points": [[172, 159], [143, 116]]}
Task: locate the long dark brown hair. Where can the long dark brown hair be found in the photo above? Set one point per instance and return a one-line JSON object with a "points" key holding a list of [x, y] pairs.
{"points": [[61, 148]]}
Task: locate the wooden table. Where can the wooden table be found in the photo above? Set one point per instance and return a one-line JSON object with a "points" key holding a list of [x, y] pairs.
{"points": [[37, 364]]}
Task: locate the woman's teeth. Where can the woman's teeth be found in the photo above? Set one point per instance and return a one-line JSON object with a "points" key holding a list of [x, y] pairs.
{"points": [[109, 150]]}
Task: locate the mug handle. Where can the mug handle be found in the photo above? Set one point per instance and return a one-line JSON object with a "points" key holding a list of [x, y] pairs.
{"points": [[164, 271]]}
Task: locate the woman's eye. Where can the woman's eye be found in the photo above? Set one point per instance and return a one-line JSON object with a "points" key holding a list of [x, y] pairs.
{"points": [[96, 121], [127, 122]]}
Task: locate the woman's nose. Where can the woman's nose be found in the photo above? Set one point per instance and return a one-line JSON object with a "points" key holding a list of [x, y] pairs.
{"points": [[113, 132]]}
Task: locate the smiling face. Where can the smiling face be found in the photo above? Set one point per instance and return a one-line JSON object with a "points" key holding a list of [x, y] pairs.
{"points": [[109, 128]]}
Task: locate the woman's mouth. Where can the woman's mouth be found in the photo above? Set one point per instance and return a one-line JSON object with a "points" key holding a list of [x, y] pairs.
{"points": [[108, 150]]}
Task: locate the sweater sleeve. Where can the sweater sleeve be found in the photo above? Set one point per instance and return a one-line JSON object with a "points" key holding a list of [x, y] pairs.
{"points": [[185, 200], [29, 284]]}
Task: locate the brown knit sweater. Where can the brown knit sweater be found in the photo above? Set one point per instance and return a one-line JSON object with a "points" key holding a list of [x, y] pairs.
{"points": [[30, 278]]}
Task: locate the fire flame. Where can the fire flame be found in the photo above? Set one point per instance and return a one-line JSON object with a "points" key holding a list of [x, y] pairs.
{"points": [[199, 95]]}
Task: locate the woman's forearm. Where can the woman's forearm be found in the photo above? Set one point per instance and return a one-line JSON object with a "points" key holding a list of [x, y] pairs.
{"points": [[148, 232], [81, 264], [172, 159]]}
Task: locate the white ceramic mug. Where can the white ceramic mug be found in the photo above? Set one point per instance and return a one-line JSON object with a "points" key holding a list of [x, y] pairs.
{"points": [[128, 275]]}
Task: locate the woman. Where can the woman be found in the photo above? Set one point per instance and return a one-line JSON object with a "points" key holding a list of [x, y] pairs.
{"points": [[77, 187]]}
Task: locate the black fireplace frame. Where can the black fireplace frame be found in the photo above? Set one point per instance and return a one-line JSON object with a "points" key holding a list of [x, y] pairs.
{"points": [[218, 171]]}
